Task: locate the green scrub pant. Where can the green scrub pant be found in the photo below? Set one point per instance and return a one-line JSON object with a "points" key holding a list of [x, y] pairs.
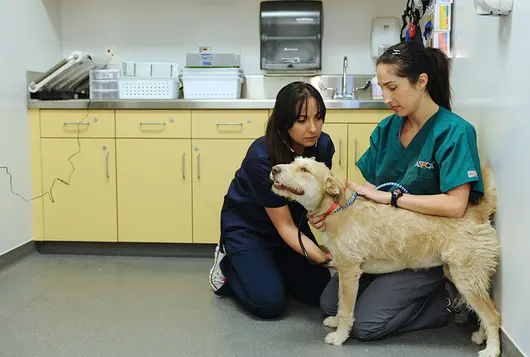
{"points": [[393, 303]]}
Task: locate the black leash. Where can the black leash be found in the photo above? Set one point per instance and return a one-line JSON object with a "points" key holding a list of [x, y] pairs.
{"points": [[302, 244]]}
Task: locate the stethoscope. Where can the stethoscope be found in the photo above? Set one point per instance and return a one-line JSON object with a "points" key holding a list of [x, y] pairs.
{"points": [[350, 201]]}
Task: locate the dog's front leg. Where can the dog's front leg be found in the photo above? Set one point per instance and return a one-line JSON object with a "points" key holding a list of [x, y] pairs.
{"points": [[349, 275]]}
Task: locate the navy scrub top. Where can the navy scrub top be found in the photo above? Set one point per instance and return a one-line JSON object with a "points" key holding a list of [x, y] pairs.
{"points": [[244, 222]]}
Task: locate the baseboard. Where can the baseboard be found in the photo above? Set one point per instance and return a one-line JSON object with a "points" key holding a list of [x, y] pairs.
{"points": [[17, 254], [127, 249], [508, 347]]}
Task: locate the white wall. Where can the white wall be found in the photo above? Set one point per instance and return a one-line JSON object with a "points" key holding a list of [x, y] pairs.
{"points": [[28, 40], [168, 29], [490, 81]]}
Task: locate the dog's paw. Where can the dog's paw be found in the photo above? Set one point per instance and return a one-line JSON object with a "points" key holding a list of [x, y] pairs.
{"points": [[335, 338], [479, 337], [331, 321], [490, 352]]}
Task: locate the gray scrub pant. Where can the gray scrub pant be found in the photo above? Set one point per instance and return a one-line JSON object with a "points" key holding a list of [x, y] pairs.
{"points": [[393, 303]]}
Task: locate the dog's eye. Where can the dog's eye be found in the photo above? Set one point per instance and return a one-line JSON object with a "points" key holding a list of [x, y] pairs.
{"points": [[304, 169]]}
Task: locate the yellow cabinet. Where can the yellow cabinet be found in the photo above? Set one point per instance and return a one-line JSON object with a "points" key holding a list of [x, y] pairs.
{"points": [[77, 123], [156, 175], [154, 190], [153, 124], [358, 142], [84, 210], [339, 136], [214, 165], [228, 124]]}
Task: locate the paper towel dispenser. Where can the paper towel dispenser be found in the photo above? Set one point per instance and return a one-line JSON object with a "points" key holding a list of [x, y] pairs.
{"points": [[291, 35]]}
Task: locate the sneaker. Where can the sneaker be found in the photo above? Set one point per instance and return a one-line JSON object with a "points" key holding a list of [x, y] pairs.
{"points": [[217, 278], [456, 305]]}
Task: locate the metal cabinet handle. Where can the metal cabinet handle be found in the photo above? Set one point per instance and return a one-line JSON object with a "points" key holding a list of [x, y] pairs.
{"points": [[354, 150], [340, 151], [75, 123], [229, 123], [183, 165], [198, 165], [107, 164], [153, 123]]}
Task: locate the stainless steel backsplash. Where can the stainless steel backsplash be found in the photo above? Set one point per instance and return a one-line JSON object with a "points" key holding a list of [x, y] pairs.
{"points": [[267, 87]]}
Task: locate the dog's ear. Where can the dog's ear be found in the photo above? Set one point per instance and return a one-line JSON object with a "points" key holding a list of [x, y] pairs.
{"points": [[332, 187]]}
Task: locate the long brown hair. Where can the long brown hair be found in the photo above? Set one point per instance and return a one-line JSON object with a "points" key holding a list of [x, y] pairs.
{"points": [[287, 109], [412, 59]]}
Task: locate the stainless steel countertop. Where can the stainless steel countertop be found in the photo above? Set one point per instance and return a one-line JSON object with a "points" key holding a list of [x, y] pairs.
{"points": [[194, 104]]}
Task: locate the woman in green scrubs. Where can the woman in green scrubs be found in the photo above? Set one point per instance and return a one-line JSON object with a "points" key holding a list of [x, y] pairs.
{"points": [[433, 153]]}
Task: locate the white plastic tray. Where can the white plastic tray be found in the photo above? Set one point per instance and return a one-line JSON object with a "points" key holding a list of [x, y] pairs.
{"points": [[212, 87], [148, 88]]}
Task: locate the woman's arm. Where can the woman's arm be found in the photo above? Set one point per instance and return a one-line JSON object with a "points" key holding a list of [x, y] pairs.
{"points": [[282, 220], [452, 204]]}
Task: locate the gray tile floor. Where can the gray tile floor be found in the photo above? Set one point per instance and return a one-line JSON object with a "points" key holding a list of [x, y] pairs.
{"points": [[60, 305]]}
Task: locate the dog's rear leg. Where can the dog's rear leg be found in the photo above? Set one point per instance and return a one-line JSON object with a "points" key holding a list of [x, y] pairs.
{"points": [[473, 286], [349, 275]]}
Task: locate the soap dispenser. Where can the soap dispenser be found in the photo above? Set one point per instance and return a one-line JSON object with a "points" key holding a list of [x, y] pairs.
{"points": [[385, 33]]}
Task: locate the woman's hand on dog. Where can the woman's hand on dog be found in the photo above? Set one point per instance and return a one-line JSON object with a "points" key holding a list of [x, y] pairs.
{"points": [[331, 264], [317, 221], [374, 195]]}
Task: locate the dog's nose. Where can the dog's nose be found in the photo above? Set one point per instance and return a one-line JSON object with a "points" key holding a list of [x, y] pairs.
{"points": [[276, 170]]}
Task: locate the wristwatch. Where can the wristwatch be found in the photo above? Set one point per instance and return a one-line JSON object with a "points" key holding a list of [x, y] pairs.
{"points": [[397, 193]]}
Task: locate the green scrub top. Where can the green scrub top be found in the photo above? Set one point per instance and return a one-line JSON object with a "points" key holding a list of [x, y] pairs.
{"points": [[443, 155]]}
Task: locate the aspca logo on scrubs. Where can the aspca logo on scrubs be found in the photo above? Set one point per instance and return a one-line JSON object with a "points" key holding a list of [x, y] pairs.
{"points": [[425, 165]]}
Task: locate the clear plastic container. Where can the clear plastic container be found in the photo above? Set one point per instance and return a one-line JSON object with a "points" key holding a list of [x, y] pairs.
{"points": [[104, 84], [104, 94], [99, 74]]}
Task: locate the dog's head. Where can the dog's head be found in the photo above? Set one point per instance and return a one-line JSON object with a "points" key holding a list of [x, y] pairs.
{"points": [[306, 181]]}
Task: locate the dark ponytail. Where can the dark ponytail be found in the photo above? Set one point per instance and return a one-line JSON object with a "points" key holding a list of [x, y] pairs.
{"points": [[412, 59]]}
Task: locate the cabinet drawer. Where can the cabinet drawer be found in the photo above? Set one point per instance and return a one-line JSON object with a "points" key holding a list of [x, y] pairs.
{"points": [[70, 123], [230, 124], [357, 115], [153, 124]]}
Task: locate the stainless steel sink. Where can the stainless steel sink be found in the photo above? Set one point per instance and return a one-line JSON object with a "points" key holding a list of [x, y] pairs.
{"points": [[358, 87], [267, 87]]}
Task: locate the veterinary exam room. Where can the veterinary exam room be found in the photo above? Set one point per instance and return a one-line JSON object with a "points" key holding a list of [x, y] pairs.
{"points": [[264, 178]]}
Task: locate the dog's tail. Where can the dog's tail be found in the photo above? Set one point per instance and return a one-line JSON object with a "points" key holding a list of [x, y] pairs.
{"points": [[488, 203]]}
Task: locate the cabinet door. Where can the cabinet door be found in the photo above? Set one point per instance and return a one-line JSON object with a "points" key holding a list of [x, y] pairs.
{"points": [[339, 135], [154, 190], [84, 210], [358, 142], [214, 165]]}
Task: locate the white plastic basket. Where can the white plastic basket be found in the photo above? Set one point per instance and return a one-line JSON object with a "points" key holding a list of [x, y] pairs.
{"points": [[148, 88], [212, 87], [212, 72]]}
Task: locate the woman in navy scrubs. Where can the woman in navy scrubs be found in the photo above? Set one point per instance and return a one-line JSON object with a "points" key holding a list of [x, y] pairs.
{"points": [[259, 259]]}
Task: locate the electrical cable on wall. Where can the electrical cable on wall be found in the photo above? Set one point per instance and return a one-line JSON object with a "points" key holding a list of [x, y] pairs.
{"points": [[66, 182], [57, 179]]}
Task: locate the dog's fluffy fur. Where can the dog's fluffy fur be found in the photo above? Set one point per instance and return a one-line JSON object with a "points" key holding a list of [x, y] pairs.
{"points": [[375, 238]]}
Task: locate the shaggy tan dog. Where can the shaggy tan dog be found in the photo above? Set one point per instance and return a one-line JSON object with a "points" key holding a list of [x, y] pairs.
{"points": [[375, 238]]}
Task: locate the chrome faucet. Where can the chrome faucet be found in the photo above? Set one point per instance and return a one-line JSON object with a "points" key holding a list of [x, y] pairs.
{"points": [[344, 70]]}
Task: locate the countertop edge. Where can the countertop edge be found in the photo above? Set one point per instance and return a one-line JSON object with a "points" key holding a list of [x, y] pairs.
{"points": [[192, 104]]}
